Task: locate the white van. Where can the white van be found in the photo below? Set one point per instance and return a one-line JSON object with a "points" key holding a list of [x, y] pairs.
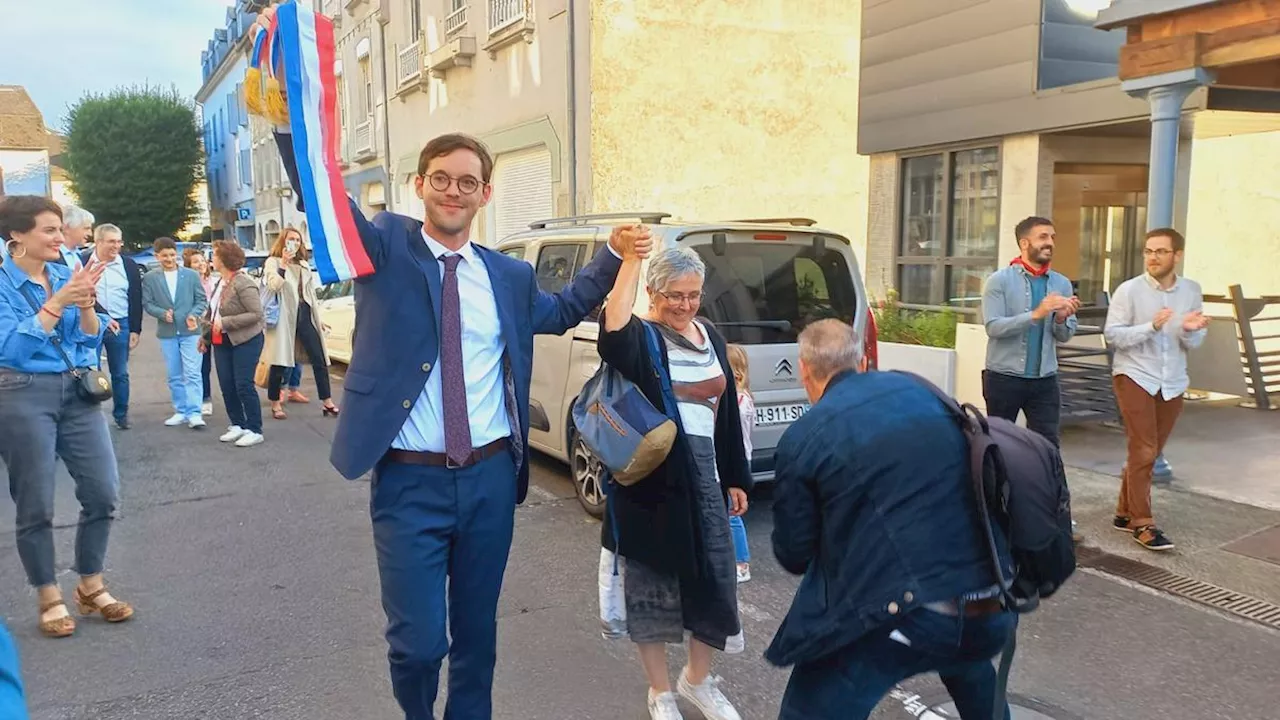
{"points": [[766, 279]]}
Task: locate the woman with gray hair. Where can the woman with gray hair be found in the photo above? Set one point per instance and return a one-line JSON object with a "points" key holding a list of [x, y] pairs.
{"points": [[672, 528]]}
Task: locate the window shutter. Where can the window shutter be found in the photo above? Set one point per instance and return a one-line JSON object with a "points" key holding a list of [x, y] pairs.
{"points": [[522, 191]]}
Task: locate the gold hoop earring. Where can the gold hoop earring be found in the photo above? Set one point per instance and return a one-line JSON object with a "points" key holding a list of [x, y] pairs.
{"points": [[10, 245]]}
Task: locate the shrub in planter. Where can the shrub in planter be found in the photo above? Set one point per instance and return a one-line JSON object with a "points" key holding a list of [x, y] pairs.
{"points": [[896, 324]]}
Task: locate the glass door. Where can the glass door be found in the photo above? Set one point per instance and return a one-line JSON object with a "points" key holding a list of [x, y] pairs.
{"points": [[1111, 228]]}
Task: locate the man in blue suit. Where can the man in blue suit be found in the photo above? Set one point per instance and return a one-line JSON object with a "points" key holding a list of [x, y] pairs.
{"points": [[436, 405]]}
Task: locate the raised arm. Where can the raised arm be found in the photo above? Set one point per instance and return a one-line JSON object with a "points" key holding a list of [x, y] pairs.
{"points": [[1195, 326], [555, 313]]}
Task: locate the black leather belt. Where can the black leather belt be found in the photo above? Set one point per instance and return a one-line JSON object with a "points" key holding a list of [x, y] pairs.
{"points": [[434, 459]]}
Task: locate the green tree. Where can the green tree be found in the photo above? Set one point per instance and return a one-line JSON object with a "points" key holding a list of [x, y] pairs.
{"points": [[134, 159]]}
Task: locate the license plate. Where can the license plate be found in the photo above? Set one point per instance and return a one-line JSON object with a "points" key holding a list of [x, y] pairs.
{"points": [[779, 414]]}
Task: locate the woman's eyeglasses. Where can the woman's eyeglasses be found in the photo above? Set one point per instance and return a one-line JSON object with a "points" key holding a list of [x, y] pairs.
{"points": [[440, 182]]}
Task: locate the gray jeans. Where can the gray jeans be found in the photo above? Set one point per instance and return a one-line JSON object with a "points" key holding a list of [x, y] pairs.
{"points": [[43, 419]]}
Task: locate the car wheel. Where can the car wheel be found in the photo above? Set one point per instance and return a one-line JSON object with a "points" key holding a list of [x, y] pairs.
{"points": [[588, 477]]}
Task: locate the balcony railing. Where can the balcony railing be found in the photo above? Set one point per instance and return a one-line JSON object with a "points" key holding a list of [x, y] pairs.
{"points": [[409, 62], [362, 137], [505, 13], [455, 21]]}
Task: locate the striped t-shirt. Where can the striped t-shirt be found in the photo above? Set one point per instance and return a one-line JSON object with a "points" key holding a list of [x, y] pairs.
{"points": [[696, 379]]}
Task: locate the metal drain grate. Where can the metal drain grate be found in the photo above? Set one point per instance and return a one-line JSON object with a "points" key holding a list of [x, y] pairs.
{"points": [[1230, 601]]}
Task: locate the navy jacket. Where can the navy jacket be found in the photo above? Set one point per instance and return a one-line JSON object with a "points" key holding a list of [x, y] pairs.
{"points": [[872, 505]]}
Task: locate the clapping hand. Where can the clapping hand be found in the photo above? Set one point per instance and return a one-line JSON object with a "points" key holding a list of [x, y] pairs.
{"points": [[1161, 318], [192, 323], [632, 242], [81, 289], [168, 315], [1194, 321]]}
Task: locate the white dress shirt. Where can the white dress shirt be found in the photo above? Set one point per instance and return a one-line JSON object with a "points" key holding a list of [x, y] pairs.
{"points": [[113, 290], [482, 351], [72, 257], [1154, 359]]}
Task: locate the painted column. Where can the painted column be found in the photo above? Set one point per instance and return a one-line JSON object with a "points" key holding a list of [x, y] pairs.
{"points": [[1166, 93]]}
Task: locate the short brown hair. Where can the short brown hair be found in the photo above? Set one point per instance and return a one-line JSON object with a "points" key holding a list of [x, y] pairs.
{"points": [[230, 254], [190, 253], [18, 213], [445, 144], [164, 243], [1175, 237]]}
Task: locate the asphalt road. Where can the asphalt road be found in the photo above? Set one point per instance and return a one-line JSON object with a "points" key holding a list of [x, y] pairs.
{"points": [[253, 574]]}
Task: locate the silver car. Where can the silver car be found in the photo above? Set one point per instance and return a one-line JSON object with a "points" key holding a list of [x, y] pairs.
{"points": [[766, 279]]}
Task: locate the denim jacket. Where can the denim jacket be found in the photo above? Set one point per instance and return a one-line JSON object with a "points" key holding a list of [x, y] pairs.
{"points": [[872, 504], [1006, 312]]}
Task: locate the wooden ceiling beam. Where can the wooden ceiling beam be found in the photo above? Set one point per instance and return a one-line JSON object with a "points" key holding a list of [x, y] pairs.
{"points": [[1248, 44]]}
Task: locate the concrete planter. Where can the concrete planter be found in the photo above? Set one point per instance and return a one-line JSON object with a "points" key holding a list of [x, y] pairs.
{"points": [[936, 364]]}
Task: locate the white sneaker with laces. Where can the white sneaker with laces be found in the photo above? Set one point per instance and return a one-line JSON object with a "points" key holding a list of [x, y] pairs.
{"points": [[249, 439], [195, 422], [176, 420], [233, 433], [662, 706], [206, 409], [744, 573], [707, 697]]}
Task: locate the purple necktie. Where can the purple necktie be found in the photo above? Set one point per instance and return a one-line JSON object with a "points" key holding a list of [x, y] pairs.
{"points": [[457, 421]]}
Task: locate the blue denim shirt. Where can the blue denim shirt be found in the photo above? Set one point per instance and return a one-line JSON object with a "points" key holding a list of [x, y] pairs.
{"points": [[24, 344], [872, 504], [1006, 312]]}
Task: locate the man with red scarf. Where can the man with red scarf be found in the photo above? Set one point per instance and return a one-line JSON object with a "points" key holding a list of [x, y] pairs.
{"points": [[1027, 309]]}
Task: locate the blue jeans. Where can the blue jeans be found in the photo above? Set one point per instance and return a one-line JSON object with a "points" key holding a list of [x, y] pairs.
{"points": [[740, 550], [848, 684], [43, 419], [1039, 399], [117, 347], [294, 380], [236, 365], [182, 361], [442, 537]]}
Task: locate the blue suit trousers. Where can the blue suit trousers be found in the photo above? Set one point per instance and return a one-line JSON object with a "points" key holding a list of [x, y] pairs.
{"points": [[442, 537]]}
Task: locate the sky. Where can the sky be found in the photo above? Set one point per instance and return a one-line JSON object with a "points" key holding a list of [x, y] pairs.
{"points": [[61, 49]]}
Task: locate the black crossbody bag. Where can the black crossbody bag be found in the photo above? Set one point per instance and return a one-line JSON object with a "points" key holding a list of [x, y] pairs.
{"points": [[91, 385]]}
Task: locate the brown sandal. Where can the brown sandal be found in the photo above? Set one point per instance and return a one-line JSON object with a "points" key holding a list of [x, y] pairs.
{"points": [[60, 628], [113, 613], [278, 413]]}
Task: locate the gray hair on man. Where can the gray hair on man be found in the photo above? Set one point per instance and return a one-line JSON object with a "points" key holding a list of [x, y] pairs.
{"points": [[830, 346], [104, 229], [673, 263], [76, 217]]}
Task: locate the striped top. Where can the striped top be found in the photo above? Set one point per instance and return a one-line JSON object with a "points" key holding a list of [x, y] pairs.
{"points": [[696, 379]]}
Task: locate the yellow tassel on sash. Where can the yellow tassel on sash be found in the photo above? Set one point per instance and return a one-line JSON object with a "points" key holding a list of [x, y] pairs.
{"points": [[277, 108], [253, 101]]}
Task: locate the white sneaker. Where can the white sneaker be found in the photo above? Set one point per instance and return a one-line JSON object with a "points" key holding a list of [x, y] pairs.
{"points": [[707, 697], [206, 409], [663, 706], [744, 573], [176, 420], [195, 422], [233, 433], [249, 439]]}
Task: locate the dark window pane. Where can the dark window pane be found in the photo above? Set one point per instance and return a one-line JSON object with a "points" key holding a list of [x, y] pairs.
{"points": [[964, 285], [920, 284], [923, 195], [769, 281], [557, 264], [1071, 49], [975, 203]]}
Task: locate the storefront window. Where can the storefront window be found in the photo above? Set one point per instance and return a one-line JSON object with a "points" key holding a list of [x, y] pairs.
{"points": [[950, 227]]}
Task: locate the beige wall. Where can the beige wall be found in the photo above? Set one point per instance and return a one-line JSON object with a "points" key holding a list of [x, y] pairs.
{"points": [[1233, 220], [704, 113], [513, 100]]}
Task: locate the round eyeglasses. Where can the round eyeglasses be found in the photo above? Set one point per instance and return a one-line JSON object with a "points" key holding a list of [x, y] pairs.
{"points": [[440, 182]]}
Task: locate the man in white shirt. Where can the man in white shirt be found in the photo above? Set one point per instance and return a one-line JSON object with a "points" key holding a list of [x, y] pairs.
{"points": [[77, 225], [120, 298], [1153, 320]]}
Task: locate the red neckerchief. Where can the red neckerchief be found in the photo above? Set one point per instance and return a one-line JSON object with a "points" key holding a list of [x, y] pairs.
{"points": [[1044, 269]]}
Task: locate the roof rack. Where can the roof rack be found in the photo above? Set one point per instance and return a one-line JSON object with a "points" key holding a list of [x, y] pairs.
{"points": [[644, 217], [797, 221]]}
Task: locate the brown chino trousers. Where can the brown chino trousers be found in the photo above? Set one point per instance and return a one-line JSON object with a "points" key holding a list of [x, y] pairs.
{"points": [[1148, 421]]}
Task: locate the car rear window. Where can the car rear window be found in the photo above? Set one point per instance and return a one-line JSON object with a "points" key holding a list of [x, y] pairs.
{"points": [[766, 291]]}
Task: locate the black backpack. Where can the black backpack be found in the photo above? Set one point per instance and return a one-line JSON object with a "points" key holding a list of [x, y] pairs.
{"points": [[1021, 487]]}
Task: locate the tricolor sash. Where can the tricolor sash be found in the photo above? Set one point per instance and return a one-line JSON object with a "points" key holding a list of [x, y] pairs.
{"points": [[298, 52]]}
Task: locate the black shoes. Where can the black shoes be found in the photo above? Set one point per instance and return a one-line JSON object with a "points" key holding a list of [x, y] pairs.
{"points": [[1151, 538]]}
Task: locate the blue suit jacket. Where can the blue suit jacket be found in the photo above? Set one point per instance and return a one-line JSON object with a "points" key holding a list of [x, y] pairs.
{"points": [[397, 335]]}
